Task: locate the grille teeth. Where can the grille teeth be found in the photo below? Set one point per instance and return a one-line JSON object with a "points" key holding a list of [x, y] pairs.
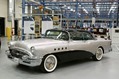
{"points": [[17, 54]]}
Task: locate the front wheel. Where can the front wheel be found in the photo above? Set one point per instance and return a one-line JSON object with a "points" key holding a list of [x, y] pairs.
{"points": [[98, 55], [49, 63]]}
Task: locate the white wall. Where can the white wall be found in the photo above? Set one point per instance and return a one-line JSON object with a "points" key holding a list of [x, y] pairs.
{"points": [[18, 11], [114, 35], [3, 11]]}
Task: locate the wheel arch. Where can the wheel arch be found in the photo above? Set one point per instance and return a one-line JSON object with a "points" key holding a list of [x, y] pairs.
{"points": [[101, 48], [42, 68], [55, 54]]}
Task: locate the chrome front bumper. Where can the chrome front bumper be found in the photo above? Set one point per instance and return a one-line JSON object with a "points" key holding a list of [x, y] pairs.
{"points": [[28, 61]]}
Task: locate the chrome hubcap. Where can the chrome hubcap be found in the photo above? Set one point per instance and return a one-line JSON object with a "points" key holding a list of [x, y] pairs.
{"points": [[99, 54], [50, 63]]}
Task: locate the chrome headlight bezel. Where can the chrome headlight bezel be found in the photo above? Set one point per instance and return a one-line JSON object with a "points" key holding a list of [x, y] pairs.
{"points": [[11, 44]]}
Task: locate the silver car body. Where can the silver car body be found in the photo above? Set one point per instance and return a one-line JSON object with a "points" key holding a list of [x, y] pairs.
{"points": [[43, 46]]}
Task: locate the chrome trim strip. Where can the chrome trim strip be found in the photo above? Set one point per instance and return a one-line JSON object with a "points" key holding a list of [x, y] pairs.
{"points": [[22, 50]]}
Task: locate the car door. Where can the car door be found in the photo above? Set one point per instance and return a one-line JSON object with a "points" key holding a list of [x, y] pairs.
{"points": [[90, 41], [77, 41], [80, 44]]}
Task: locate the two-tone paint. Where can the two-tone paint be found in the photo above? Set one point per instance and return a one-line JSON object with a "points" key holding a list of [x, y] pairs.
{"points": [[63, 49]]}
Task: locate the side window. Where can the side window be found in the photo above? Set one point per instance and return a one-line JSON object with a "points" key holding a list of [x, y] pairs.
{"points": [[72, 35], [87, 36], [63, 36], [80, 36], [76, 36]]}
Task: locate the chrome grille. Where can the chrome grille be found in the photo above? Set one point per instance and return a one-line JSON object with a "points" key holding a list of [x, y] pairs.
{"points": [[17, 53]]}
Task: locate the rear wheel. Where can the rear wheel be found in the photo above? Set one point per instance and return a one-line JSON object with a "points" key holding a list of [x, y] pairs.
{"points": [[98, 55], [49, 63]]}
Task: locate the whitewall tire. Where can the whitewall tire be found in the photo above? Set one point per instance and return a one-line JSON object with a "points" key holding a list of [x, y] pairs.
{"points": [[98, 55], [49, 63]]}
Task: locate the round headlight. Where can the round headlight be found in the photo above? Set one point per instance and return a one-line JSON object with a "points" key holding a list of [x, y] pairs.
{"points": [[11, 44], [32, 49]]}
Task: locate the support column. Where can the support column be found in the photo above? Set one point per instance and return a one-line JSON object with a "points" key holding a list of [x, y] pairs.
{"points": [[77, 5], [82, 16], [118, 13], [94, 13], [23, 12]]}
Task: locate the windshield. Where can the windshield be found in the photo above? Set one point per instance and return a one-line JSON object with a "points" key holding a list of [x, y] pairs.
{"points": [[58, 35]]}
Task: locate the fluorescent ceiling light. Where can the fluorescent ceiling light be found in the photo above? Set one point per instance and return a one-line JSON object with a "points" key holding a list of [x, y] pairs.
{"points": [[98, 9], [36, 8], [85, 10], [79, 5], [112, 9], [48, 8], [74, 10], [54, 0], [69, 7], [64, 6], [79, 14], [34, 2], [71, 10]]}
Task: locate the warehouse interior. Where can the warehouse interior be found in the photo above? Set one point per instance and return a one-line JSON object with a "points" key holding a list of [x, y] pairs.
{"points": [[30, 19]]}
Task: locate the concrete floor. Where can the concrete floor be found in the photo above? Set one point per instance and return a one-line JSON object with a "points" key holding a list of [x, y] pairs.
{"points": [[107, 68]]}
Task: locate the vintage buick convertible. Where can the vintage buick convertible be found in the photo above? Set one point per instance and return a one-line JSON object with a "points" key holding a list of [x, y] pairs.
{"points": [[57, 46]]}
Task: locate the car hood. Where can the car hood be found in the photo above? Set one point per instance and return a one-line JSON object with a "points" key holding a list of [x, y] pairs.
{"points": [[36, 42]]}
